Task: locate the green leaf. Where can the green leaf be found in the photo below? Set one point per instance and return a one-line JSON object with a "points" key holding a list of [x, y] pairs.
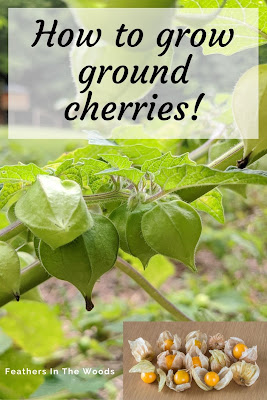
{"points": [[9, 270], [211, 203], [35, 327], [178, 231], [18, 386], [166, 161], [248, 31], [117, 161], [249, 107], [137, 153], [84, 260], [132, 174], [20, 173], [8, 191], [135, 240], [192, 176], [63, 214]]}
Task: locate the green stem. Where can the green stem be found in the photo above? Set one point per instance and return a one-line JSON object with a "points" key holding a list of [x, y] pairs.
{"points": [[31, 276], [229, 158], [108, 196], [12, 230], [151, 291]]}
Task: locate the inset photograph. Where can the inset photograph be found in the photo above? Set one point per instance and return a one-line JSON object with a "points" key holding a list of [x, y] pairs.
{"points": [[196, 359]]}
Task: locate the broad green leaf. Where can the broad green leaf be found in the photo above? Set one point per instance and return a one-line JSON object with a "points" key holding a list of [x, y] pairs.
{"points": [[192, 176], [117, 161], [35, 327], [166, 161], [54, 211], [18, 386], [63, 166], [88, 169], [119, 217], [8, 191], [211, 203], [249, 107], [132, 174], [137, 153], [178, 231], [9, 270], [248, 31], [20, 173], [84, 260], [135, 240]]}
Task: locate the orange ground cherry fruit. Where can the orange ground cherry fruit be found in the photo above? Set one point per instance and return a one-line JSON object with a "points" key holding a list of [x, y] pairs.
{"points": [[169, 360], [148, 377], [211, 378], [198, 343], [239, 349], [196, 362], [168, 344], [181, 377]]}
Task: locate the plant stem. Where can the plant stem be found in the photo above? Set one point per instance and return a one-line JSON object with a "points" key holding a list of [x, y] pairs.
{"points": [[108, 196], [12, 230], [151, 291], [31, 276], [228, 158]]}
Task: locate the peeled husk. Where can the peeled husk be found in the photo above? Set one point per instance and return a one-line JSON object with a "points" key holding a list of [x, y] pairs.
{"points": [[225, 376], [143, 366], [178, 362], [166, 335], [141, 349], [245, 374], [218, 360], [172, 385], [216, 342], [161, 377], [249, 355], [196, 352]]}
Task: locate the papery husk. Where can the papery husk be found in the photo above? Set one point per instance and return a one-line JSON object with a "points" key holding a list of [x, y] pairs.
{"points": [[172, 385], [178, 362], [216, 342], [229, 345], [225, 376], [250, 355], [143, 366], [245, 374], [190, 346], [141, 349], [166, 335], [196, 353], [218, 360], [197, 335], [198, 376], [161, 377]]}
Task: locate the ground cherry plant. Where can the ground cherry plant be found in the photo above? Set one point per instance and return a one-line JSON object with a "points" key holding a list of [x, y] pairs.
{"points": [[89, 207]]}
